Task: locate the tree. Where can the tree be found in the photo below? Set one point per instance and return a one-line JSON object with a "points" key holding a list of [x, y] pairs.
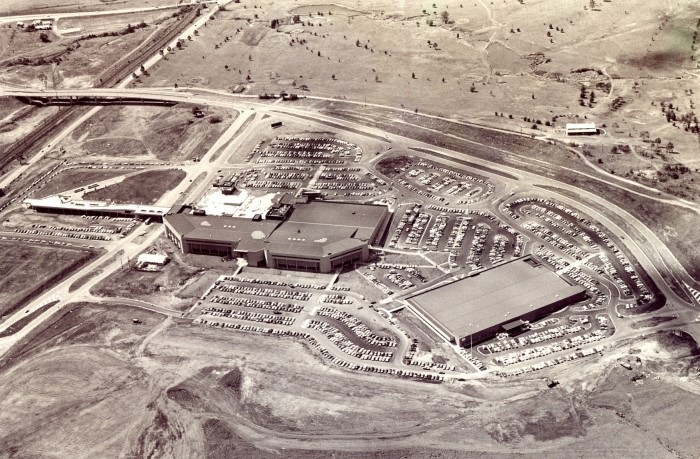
{"points": [[445, 17], [44, 37]]}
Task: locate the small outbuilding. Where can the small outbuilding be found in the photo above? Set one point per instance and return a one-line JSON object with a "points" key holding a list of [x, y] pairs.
{"points": [[581, 129], [152, 259]]}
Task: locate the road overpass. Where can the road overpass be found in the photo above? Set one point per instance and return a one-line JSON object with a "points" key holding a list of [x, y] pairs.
{"points": [[48, 100]]}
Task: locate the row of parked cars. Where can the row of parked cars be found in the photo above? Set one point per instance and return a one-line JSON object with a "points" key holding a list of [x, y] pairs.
{"points": [[345, 344], [248, 315], [257, 304], [255, 280], [91, 237], [265, 292], [541, 351], [550, 363], [358, 327]]}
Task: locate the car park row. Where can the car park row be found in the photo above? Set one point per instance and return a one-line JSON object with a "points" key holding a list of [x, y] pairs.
{"points": [[266, 292], [247, 315], [344, 344], [541, 351], [251, 280], [550, 363], [91, 229], [91, 237], [257, 304], [532, 338], [357, 327], [336, 299]]}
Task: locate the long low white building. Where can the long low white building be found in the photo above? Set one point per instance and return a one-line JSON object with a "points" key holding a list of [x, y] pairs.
{"points": [[581, 129], [63, 205]]}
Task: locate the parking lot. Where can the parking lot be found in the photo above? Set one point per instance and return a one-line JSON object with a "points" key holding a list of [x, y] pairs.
{"points": [[343, 321], [306, 150], [438, 183], [579, 247], [472, 238]]}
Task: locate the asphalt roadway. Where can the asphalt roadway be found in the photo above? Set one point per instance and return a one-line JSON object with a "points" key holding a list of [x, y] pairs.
{"points": [[646, 247]]}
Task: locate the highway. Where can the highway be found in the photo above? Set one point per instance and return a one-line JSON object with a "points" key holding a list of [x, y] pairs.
{"points": [[27, 18], [651, 253]]}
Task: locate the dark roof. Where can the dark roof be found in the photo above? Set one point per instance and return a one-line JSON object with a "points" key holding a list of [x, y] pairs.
{"points": [[315, 229], [244, 234], [319, 228], [497, 296]]}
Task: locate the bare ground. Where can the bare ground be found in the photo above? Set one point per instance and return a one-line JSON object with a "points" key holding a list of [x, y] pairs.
{"points": [[204, 392]]}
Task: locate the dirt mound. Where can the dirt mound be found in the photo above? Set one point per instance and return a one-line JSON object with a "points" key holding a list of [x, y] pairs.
{"points": [[232, 381], [678, 342], [184, 397]]}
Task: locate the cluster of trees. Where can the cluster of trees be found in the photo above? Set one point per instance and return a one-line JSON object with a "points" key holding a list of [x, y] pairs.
{"points": [[584, 95]]}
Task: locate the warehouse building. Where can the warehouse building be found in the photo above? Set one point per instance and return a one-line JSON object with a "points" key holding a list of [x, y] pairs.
{"points": [[502, 299], [315, 236]]}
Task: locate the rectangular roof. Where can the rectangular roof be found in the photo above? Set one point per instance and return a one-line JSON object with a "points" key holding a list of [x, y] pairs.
{"points": [[499, 295], [152, 258], [580, 127], [65, 203], [321, 227]]}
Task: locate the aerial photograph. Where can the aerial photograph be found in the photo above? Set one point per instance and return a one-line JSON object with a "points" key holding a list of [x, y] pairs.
{"points": [[350, 229]]}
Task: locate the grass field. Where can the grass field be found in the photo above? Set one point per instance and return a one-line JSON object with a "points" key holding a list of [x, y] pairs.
{"points": [[30, 269], [616, 64], [73, 178], [143, 188]]}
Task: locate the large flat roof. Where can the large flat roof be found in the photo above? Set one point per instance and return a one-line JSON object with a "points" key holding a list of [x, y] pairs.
{"points": [[312, 229], [246, 234], [321, 227], [490, 298]]}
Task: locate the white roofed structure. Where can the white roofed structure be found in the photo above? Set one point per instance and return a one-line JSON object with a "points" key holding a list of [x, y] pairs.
{"points": [[581, 129], [152, 258]]}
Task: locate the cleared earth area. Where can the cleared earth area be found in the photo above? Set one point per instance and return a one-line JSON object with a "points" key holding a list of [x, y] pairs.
{"points": [[147, 133], [206, 393], [28, 269]]}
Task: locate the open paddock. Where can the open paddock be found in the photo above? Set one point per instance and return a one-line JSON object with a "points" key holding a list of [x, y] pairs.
{"points": [[69, 179], [29, 269], [143, 188]]}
